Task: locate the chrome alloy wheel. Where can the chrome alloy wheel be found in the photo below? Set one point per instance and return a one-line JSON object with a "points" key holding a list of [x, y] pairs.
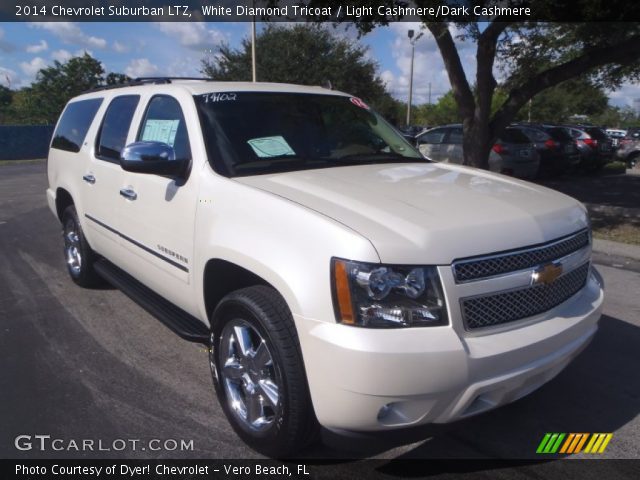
{"points": [[72, 247], [249, 376]]}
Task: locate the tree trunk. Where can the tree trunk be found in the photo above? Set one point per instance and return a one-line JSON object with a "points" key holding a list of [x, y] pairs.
{"points": [[477, 142]]}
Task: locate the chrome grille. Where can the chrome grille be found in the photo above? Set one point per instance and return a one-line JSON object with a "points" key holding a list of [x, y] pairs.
{"points": [[488, 266], [496, 309]]}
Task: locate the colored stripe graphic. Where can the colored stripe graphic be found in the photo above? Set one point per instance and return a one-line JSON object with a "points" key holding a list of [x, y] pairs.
{"points": [[553, 443]]}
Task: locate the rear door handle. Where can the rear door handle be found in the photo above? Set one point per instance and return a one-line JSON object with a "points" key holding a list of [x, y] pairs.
{"points": [[128, 193], [89, 178]]}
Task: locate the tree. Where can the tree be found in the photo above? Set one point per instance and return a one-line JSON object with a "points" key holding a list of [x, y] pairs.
{"points": [[558, 104], [304, 54], [43, 101], [532, 55], [442, 112], [55, 85], [6, 96], [117, 78]]}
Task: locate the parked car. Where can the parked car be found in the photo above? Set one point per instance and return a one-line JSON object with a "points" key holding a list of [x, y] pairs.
{"points": [[410, 132], [557, 150], [513, 153], [596, 148], [629, 149], [615, 135], [336, 276]]}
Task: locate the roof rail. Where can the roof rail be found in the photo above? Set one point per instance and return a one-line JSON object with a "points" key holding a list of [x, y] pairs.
{"points": [[146, 80]]}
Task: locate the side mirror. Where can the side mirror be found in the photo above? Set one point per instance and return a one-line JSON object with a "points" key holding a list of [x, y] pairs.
{"points": [[152, 157]]}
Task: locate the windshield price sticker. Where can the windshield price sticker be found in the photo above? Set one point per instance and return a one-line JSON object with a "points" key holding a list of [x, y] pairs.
{"points": [[270, 147]]}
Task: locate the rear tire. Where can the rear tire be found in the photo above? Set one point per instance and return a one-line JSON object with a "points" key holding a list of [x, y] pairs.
{"points": [[77, 253], [258, 372]]}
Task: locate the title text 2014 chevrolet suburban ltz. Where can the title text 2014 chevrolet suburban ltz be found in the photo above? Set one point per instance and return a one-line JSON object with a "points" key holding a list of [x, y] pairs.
{"points": [[339, 277]]}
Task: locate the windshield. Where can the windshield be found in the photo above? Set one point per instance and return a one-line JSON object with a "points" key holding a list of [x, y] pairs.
{"points": [[252, 133]]}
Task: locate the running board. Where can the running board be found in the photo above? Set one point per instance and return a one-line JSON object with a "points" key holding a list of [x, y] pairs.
{"points": [[176, 319]]}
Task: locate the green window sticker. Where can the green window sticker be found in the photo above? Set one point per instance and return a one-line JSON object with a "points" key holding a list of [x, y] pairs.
{"points": [[161, 131], [270, 146]]}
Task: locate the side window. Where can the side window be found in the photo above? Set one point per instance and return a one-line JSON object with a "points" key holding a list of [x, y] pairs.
{"points": [[164, 122], [455, 136], [74, 124], [536, 135], [433, 137], [115, 127]]}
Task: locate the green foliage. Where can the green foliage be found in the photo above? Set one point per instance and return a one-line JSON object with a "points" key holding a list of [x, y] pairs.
{"points": [[6, 95], [394, 111], [441, 113], [43, 101], [117, 78], [616, 117], [303, 54], [558, 104]]}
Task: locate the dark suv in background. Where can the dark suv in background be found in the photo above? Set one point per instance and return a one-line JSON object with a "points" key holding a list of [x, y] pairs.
{"points": [[557, 149], [596, 148], [629, 147]]}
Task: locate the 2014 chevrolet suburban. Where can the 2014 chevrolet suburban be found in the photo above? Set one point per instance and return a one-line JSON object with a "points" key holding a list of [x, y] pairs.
{"points": [[339, 278]]}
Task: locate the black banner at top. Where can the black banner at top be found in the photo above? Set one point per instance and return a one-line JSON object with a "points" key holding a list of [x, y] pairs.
{"points": [[375, 11]]}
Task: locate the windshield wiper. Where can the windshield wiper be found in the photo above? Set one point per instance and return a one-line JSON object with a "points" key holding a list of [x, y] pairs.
{"points": [[377, 156]]}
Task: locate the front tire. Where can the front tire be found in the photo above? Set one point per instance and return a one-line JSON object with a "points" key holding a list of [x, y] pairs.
{"points": [[259, 373], [77, 253]]}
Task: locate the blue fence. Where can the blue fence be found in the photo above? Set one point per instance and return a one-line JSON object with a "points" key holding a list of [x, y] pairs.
{"points": [[20, 142]]}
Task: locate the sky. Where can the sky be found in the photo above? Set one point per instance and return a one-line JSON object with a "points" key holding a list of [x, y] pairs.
{"points": [[156, 49]]}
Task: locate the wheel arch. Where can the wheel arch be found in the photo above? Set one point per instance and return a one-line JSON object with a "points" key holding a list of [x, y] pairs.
{"points": [[222, 277], [63, 200]]}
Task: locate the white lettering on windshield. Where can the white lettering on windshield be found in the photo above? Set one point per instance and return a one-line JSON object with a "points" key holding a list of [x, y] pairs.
{"points": [[218, 97]]}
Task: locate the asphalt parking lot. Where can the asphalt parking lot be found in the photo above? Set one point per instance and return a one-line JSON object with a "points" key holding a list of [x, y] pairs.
{"points": [[80, 364]]}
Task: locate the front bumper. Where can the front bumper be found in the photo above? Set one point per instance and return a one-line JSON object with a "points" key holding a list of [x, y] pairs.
{"points": [[51, 201], [371, 380]]}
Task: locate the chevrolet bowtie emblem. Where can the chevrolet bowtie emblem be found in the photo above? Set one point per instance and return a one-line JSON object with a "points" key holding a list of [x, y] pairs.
{"points": [[546, 274]]}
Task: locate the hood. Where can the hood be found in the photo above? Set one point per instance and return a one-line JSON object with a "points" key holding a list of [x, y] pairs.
{"points": [[430, 213]]}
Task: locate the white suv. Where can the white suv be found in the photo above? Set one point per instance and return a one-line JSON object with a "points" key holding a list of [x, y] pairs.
{"points": [[339, 278]]}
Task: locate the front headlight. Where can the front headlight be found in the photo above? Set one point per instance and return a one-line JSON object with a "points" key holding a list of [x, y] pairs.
{"points": [[383, 296]]}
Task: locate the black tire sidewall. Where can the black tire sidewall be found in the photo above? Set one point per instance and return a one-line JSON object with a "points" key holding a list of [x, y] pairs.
{"points": [[273, 441], [86, 277]]}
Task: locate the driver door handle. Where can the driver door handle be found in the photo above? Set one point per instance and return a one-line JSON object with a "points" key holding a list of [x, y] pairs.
{"points": [[128, 193], [89, 178]]}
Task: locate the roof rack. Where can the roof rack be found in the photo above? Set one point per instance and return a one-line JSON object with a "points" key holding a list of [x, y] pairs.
{"points": [[147, 80]]}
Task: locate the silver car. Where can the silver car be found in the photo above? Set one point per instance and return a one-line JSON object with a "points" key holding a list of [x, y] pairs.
{"points": [[629, 148], [512, 154]]}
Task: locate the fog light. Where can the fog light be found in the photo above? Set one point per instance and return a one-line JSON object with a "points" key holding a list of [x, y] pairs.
{"points": [[384, 412]]}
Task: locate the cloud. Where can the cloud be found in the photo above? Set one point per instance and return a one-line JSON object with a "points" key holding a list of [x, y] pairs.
{"points": [[38, 47], [140, 67], [5, 46], [625, 95], [193, 35], [71, 34], [429, 74], [61, 55], [33, 67], [120, 47]]}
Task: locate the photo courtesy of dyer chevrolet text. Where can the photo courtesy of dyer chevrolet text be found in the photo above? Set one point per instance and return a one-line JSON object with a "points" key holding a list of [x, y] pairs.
{"points": [[161, 470]]}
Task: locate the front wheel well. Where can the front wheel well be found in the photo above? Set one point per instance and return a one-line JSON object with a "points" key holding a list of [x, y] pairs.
{"points": [[222, 277], [63, 200]]}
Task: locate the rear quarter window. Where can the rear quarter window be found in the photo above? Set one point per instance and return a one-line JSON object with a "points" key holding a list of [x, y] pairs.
{"points": [[513, 135], [74, 124]]}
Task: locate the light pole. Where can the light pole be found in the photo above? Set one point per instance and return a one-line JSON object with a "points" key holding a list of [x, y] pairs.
{"points": [[413, 48], [253, 49], [253, 45]]}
